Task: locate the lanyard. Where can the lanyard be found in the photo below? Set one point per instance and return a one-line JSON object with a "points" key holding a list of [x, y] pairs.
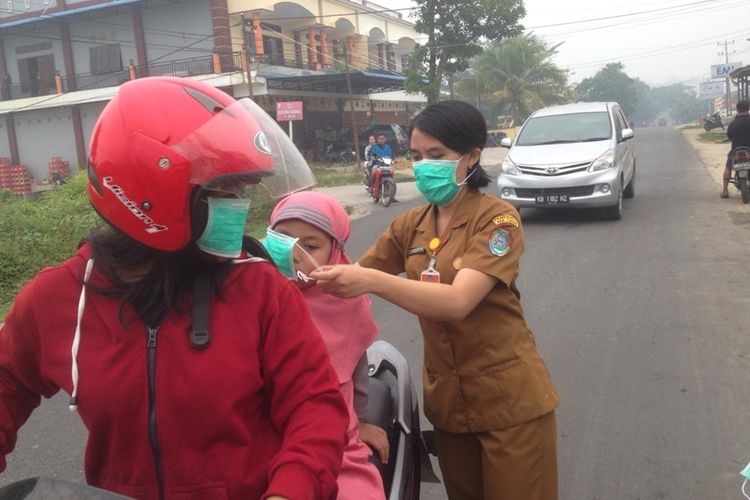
{"points": [[431, 274]]}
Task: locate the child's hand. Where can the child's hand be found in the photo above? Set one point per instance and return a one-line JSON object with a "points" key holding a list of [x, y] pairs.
{"points": [[376, 438]]}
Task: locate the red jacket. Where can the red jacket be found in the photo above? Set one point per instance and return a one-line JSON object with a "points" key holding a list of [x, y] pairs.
{"points": [[257, 412]]}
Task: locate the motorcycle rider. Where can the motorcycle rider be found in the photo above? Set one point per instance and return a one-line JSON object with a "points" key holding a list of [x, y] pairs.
{"points": [[305, 229], [738, 132], [379, 150], [193, 363], [368, 162]]}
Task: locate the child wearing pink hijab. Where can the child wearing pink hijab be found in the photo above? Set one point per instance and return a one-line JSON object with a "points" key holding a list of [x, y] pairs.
{"points": [[321, 226]]}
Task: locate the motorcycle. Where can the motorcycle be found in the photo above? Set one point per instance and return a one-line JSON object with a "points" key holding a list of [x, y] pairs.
{"points": [[740, 168], [43, 488], [393, 405], [713, 121], [332, 155], [381, 182]]}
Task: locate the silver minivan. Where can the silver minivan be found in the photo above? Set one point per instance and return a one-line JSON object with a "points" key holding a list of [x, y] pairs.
{"points": [[573, 155]]}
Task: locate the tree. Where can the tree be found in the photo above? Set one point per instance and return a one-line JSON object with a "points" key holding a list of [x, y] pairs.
{"points": [[647, 107], [518, 76], [455, 30], [610, 84], [680, 102]]}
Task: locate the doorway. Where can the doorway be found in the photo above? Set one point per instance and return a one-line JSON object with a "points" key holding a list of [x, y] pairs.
{"points": [[37, 75]]}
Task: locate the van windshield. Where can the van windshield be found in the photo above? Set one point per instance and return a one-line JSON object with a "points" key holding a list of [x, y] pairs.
{"points": [[568, 128]]}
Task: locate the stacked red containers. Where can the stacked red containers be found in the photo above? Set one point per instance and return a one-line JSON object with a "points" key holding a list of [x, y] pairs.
{"points": [[59, 170], [14, 177]]}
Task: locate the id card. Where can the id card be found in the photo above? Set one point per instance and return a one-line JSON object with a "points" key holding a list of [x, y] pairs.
{"points": [[430, 275]]}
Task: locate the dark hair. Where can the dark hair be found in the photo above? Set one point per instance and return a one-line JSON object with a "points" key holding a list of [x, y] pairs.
{"points": [[743, 106], [167, 278], [460, 127]]}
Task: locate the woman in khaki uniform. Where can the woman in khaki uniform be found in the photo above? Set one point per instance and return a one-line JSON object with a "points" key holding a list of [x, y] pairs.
{"points": [[486, 389]]}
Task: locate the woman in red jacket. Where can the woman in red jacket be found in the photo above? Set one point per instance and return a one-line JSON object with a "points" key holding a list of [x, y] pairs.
{"points": [[193, 363]]}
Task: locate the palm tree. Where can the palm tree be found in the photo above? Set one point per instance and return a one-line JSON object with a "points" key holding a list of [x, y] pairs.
{"points": [[516, 76]]}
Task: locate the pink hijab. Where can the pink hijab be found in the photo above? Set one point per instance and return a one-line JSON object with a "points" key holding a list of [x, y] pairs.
{"points": [[347, 325]]}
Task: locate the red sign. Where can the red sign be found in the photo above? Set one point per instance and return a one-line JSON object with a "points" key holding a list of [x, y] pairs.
{"points": [[289, 111]]}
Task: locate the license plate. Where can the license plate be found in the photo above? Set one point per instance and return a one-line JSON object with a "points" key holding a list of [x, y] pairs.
{"points": [[743, 165], [552, 199]]}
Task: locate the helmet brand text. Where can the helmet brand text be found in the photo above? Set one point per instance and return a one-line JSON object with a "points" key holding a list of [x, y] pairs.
{"points": [[151, 226]]}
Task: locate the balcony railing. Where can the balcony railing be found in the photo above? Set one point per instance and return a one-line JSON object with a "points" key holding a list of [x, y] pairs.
{"points": [[185, 67], [85, 81], [236, 61]]}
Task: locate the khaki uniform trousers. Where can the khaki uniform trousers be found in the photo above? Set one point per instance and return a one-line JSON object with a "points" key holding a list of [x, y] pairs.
{"points": [[519, 463]]}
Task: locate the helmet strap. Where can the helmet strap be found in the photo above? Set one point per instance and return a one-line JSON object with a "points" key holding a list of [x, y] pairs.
{"points": [[199, 333]]}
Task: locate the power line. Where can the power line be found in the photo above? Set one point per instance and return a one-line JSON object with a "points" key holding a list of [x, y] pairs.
{"points": [[619, 16], [643, 22]]}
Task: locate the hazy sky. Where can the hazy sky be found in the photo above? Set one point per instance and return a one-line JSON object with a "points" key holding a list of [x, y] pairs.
{"points": [[659, 41]]}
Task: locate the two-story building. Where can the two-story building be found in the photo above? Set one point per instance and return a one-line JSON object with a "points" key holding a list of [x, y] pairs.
{"points": [[62, 60]]}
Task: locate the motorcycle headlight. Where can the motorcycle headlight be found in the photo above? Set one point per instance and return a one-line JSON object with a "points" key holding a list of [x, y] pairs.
{"points": [[508, 167], [605, 161]]}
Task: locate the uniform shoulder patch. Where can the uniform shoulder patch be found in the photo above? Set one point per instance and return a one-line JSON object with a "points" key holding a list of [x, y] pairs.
{"points": [[500, 242], [505, 220]]}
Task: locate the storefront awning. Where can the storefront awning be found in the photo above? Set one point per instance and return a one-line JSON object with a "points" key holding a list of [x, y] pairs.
{"points": [[362, 82], [744, 71], [741, 76]]}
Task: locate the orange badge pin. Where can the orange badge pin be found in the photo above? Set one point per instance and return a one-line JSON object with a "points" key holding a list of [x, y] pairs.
{"points": [[434, 244]]}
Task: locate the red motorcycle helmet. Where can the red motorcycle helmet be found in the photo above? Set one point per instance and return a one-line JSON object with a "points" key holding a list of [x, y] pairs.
{"points": [[161, 138]]}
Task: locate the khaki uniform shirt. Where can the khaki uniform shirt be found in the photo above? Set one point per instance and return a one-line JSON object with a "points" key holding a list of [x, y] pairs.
{"points": [[484, 372]]}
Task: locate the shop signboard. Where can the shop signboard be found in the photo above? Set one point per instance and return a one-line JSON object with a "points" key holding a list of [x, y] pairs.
{"points": [[712, 89], [289, 111]]}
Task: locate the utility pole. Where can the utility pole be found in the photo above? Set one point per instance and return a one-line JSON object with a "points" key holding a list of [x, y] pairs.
{"points": [[355, 129], [249, 57], [728, 88]]}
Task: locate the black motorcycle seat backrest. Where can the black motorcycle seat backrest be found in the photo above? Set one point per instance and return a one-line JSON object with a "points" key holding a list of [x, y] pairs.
{"points": [[381, 412]]}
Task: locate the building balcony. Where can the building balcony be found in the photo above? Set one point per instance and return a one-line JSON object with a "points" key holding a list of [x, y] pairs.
{"points": [[212, 64]]}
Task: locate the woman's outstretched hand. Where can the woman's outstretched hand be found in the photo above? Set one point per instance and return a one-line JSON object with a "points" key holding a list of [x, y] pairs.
{"points": [[343, 280]]}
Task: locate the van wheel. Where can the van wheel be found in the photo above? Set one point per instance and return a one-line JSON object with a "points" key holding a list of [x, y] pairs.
{"points": [[630, 188], [615, 211]]}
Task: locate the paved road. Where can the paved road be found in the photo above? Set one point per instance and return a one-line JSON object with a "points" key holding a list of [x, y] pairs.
{"points": [[642, 324]]}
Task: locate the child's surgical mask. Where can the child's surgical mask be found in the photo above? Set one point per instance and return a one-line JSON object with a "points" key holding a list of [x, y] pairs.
{"points": [[281, 249]]}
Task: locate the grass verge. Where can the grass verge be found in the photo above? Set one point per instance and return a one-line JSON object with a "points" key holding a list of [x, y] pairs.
{"points": [[46, 229]]}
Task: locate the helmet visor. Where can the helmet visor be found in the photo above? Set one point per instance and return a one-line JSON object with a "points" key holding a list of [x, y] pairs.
{"points": [[242, 150]]}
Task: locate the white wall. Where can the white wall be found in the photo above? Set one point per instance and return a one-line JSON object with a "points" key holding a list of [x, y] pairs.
{"points": [[169, 27], [42, 135], [89, 114], [101, 30], [4, 144]]}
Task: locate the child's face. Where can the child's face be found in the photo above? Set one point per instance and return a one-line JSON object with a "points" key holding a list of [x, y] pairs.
{"points": [[315, 242]]}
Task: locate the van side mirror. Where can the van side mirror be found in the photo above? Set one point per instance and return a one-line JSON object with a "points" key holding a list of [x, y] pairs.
{"points": [[507, 142], [627, 133]]}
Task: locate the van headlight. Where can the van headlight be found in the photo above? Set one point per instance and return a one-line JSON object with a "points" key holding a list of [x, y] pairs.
{"points": [[508, 167], [605, 161]]}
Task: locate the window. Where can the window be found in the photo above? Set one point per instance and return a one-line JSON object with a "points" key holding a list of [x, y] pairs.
{"points": [[105, 59], [273, 46]]}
